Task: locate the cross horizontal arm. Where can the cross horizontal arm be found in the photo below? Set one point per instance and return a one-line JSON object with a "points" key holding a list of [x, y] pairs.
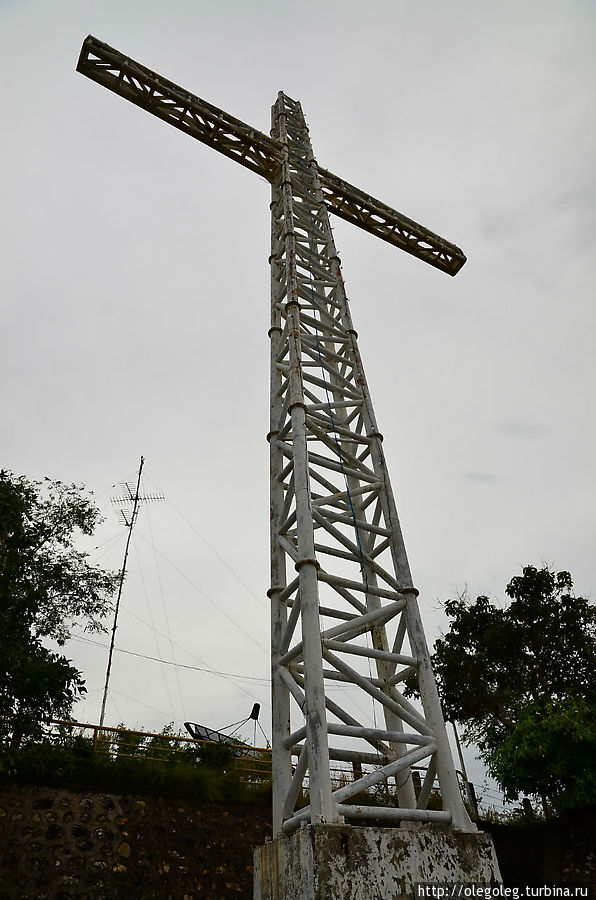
{"points": [[168, 101], [353, 205], [256, 151]]}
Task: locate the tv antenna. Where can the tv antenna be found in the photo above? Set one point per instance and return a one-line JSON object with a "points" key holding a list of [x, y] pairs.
{"points": [[128, 511]]}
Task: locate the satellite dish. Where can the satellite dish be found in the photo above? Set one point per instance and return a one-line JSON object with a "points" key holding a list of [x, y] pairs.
{"points": [[202, 733]]}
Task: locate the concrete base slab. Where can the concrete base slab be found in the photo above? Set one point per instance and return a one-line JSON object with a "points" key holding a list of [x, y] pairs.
{"points": [[343, 862]]}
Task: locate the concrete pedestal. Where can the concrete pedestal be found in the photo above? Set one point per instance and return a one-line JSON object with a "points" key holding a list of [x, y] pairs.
{"points": [[342, 862]]}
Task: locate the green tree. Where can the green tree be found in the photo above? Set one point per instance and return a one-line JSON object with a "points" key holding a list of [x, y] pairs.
{"points": [[47, 586], [522, 682]]}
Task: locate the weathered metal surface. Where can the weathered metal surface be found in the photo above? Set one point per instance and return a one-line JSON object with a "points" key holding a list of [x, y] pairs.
{"points": [[177, 107], [329, 475], [257, 151], [338, 862], [359, 208]]}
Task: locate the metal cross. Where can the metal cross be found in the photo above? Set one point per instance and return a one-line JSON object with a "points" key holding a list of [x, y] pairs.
{"points": [[344, 611]]}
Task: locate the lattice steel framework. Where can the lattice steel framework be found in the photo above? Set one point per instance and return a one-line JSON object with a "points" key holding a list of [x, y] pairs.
{"points": [[344, 609]]}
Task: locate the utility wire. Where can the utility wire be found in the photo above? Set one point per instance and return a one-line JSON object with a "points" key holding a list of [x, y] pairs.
{"points": [[108, 541], [136, 700], [252, 679], [168, 662], [165, 613], [213, 550], [163, 672], [204, 595]]}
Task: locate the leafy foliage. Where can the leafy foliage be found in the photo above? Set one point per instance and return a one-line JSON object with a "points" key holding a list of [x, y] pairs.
{"points": [[522, 681], [551, 752], [46, 586]]}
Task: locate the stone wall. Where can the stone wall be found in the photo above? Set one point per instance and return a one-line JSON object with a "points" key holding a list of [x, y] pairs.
{"points": [[61, 844], [561, 850]]}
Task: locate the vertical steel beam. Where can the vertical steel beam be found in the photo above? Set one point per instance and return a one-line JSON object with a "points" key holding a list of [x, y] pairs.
{"points": [[323, 808], [280, 726], [329, 474]]}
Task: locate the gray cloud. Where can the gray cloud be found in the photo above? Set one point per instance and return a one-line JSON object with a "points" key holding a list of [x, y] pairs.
{"points": [[522, 429], [580, 201], [482, 477], [495, 225]]}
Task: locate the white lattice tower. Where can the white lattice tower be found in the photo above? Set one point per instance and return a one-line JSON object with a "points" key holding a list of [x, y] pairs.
{"points": [[344, 608], [341, 585]]}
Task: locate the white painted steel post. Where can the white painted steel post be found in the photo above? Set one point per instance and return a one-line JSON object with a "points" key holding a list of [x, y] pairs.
{"points": [[280, 725], [322, 806], [405, 786], [450, 792]]}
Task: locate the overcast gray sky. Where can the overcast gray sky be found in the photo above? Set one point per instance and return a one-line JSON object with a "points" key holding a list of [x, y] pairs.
{"points": [[134, 286]]}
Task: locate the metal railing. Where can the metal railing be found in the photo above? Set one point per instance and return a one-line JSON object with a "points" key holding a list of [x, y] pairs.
{"points": [[250, 764], [247, 763]]}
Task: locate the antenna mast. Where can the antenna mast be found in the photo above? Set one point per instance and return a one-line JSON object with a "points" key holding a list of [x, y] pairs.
{"points": [[129, 520]]}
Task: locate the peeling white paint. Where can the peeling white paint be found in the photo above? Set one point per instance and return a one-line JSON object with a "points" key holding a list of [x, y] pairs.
{"points": [[341, 862]]}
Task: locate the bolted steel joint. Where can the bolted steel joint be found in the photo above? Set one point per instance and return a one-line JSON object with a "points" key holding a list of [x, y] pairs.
{"points": [[308, 560]]}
